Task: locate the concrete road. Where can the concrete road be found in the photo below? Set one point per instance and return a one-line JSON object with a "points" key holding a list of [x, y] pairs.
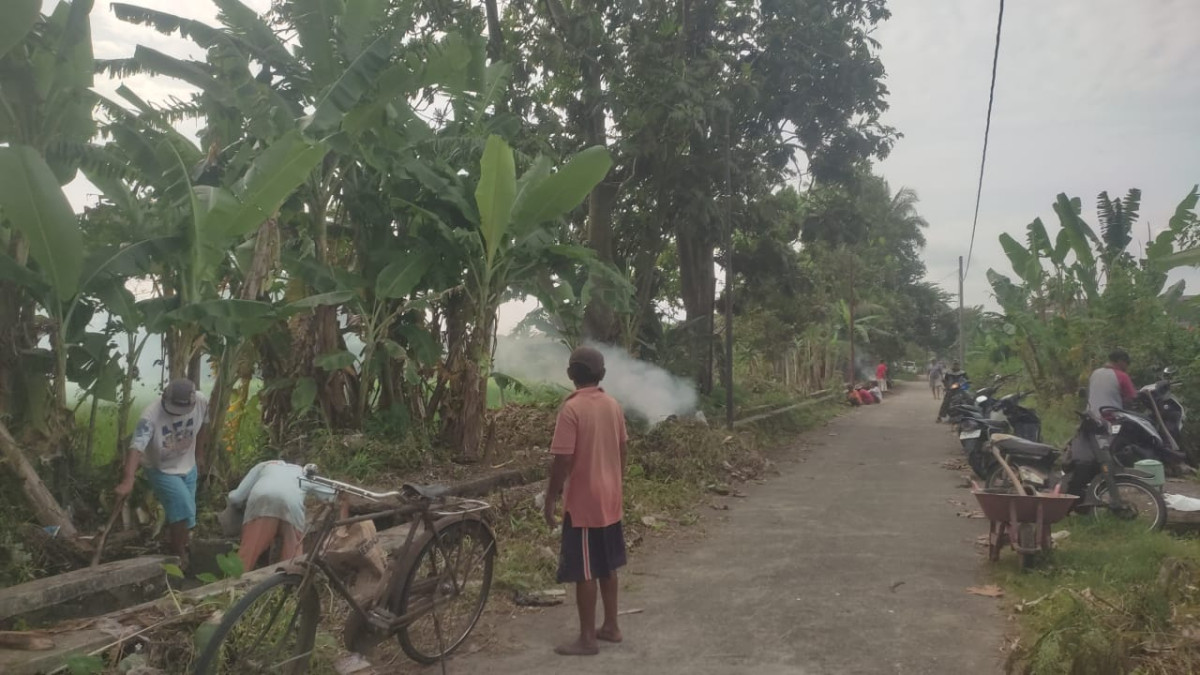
{"points": [[851, 561]]}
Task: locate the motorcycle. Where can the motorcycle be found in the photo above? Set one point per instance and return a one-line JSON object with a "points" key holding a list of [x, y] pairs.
{"points": [[957, 393], [1110, 488], [1009, 417], [1154, 435], [1024, 421], [984, 404]]}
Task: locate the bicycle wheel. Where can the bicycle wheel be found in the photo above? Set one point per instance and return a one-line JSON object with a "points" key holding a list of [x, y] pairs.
{"points": [[272, 629], [1143, 503], [445, 588]]}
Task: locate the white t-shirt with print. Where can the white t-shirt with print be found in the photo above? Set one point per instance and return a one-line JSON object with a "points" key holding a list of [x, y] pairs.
{"points": [[168, 442]]}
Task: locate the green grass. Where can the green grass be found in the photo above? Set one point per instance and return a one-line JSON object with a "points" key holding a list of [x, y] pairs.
{"points": [[1059, 421], [1112, 598]]}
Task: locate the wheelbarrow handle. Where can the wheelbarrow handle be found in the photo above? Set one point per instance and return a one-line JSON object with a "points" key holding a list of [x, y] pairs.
{"points": [[1012, 475]]}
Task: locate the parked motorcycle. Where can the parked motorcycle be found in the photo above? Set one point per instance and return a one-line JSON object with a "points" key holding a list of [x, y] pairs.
{"points": [[1025, 422], [1110, 488], [984, 404], [1009, 417], [1153, 435], [957, 394]]}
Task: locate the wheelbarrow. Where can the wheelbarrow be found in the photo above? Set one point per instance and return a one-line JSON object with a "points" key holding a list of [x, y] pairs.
{"points": [[1021, 520]]}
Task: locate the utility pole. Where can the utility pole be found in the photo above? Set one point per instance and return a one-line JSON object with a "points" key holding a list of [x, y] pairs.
{"points": [[851, 369], [728, 280], [962, 345]]}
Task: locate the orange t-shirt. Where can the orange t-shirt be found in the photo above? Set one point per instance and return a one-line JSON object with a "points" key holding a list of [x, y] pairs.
{"points": [[591, 427]]}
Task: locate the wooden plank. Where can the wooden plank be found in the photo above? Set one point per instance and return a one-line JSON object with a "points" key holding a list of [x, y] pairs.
{"points": [[794, 406], [108, 629], [23, 599]]}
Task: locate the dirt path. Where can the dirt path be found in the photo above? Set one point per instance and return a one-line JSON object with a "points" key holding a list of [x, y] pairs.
{"points": [[852, 561]]}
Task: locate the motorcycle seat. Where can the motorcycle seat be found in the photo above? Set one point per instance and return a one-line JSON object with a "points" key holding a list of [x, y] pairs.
{"points": [[984, 421], [1015, 445]]}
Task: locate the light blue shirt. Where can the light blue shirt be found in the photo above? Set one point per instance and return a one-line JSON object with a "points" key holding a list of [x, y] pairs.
{"points": [[273, 489]]}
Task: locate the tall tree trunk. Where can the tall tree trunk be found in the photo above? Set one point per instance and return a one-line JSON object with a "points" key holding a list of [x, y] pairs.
{"points": [[601, 322], [469, 364], [45, 508], [16, 333], [697, 282]]}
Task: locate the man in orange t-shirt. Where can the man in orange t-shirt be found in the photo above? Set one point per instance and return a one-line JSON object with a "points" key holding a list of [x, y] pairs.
{"points": [[587, 468]]}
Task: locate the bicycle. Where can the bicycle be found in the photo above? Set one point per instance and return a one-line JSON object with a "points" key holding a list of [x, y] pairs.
{"points": [[436, 588]]}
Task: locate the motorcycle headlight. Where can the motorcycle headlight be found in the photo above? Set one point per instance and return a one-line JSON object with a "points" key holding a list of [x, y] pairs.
{"points": [[981, 399]]}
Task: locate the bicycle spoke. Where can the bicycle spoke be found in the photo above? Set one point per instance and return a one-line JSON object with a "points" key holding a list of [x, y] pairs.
{"points": [[266, 638], [447, 591]]}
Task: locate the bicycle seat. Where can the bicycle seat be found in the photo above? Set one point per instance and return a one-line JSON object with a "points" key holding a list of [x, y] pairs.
{"points": [[1015, 445], [426, 491]]}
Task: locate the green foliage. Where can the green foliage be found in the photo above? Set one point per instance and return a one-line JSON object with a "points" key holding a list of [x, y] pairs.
{"points": [[85, 665], [35, 204], [230, 565], [1106, 591], [21, 17], [1084, 295]]}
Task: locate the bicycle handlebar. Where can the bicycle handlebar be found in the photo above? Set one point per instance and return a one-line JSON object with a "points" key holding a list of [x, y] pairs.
{"points": [[310, 474]]}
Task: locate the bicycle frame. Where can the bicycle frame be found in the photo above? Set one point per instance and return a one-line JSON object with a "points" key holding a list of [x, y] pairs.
{"points": [[313, 562]]}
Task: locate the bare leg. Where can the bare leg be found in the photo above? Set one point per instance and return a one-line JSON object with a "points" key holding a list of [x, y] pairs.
{"points": [[609, 631], [257, 535], [585, 601], [177, 541], [292, 544]]}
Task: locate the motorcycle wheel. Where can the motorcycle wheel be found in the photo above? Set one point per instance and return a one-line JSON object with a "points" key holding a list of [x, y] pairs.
{"points": [[1145, 503]]}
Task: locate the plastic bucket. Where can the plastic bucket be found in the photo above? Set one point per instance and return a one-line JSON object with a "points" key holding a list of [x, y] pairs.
{"points": [[1152, 466]]}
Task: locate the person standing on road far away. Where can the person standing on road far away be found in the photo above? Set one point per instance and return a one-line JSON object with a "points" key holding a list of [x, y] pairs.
{"points": [[881, 375], [935, 379], [589, 449], [168, 443]]}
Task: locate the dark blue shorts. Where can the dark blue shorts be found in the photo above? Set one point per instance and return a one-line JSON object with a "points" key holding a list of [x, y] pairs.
{"points": [[590, 552]]}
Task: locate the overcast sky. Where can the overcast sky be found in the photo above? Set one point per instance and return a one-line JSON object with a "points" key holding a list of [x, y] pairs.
{"points": [[1091, 95]]}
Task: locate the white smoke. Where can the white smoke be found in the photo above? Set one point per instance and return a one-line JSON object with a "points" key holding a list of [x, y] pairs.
{"points": [[643, 389]]}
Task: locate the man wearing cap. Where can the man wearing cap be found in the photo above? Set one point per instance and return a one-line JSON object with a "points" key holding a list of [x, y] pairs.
{"points": [[167, 443], [588, 464]]}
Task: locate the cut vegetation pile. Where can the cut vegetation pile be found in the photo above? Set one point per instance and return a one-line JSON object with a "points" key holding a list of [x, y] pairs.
{"points": [[1112, 599]]}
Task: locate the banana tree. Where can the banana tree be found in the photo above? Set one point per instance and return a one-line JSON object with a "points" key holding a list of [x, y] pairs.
{"points": [[45, 105], [347, 80], [501, 234]]}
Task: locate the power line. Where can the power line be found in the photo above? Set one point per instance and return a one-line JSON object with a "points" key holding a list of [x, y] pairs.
{"points": [[986, 132]]}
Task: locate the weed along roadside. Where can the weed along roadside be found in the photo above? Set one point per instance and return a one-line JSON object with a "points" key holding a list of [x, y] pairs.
{"points": [[1111, 599]]}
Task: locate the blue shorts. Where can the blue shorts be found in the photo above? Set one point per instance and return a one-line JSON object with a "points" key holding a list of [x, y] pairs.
{"points": [[177, 494]]}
